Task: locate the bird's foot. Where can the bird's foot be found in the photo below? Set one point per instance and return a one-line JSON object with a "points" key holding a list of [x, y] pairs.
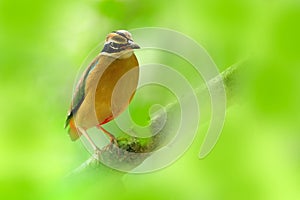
{"points": [[112, 147], [114, 142]]}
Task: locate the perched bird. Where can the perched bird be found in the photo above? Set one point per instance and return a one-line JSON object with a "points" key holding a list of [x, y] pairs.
{"points": [[105, 88]]}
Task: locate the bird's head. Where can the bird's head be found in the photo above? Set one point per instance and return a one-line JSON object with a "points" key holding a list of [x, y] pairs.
{"points": [[119, 44]]}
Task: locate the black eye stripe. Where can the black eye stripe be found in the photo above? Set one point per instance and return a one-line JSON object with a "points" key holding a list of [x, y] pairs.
{"points": [[108, 49], [117, 45], [113, 47]]}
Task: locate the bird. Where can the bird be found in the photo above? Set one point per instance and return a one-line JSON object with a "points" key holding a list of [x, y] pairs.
{"points": [[105, 88]]}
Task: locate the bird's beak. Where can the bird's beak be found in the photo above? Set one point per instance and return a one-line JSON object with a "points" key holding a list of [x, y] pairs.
{"points": [[132, 45]]}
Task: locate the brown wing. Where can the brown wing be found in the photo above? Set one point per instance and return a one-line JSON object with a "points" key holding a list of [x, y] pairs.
{"points": [[79, 92]]}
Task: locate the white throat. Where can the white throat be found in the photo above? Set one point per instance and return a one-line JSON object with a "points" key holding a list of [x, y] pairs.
{"points": [[119, 55]]}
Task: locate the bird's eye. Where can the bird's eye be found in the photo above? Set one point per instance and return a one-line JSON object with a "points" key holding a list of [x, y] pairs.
{"points": [[113, 45]]}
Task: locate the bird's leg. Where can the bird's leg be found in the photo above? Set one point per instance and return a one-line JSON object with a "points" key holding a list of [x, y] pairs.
{"points": [[89, 139], [113, 140], [111, 136]]}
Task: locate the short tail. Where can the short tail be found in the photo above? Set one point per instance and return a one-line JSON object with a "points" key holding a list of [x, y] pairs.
{"points": [[72, 130]]}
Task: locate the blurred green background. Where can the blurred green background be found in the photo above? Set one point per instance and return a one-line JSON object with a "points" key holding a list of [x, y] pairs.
{"points": [[42, 45]]}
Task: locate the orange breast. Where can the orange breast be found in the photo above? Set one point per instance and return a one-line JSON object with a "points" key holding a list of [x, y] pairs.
{"points": [[116, 88], [109, 89]]}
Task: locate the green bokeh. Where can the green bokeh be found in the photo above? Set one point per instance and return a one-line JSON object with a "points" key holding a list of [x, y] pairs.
{"points": [[43, 43]]}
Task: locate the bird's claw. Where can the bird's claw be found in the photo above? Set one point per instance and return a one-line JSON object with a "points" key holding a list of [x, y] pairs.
{"points": [[111, 147]]}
